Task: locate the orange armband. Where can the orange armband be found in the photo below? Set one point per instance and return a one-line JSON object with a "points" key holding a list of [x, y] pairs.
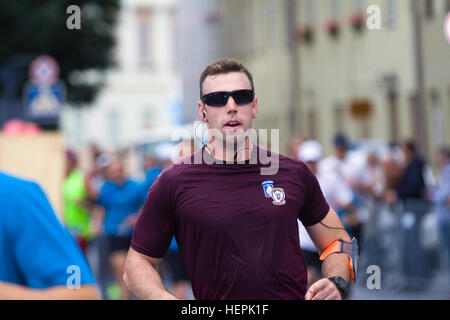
{"points": [[349, 248]]}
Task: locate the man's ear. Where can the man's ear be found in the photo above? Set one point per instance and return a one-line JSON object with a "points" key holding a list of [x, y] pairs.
{"points": [[255, 108], [202, 111]]}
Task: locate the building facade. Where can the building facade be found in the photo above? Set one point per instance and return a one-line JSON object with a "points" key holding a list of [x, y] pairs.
{"points": [[142, 91], [200, 30], [369, 69]]}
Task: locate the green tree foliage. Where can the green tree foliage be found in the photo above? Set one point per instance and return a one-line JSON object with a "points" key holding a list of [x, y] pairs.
{"points": [[29, 28]]}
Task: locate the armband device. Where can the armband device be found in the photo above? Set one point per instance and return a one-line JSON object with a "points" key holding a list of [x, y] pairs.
{"points": [[350, 249]]}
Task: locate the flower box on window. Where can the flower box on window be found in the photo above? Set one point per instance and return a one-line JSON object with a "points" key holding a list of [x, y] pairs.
{"points": [[332, 27], [356, 20], [304, 33]]}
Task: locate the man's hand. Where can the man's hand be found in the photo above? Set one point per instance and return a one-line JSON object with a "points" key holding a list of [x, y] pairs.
{"points": [[323, 289], [143, 279]]}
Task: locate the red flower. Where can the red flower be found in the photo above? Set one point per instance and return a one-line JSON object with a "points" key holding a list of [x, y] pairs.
{"points": [[332, 27], [303, 32], [356, 19]]}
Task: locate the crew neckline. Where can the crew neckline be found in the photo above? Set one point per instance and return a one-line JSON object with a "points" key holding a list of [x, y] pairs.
{"points": [[253, 161]]}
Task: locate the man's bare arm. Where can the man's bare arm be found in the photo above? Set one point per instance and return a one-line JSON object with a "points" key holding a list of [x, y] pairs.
{"points": [[323, 235], [10, 291], [143, 279]]}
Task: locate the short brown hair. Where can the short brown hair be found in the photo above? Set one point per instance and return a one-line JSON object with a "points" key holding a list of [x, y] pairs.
{"points": [[224, 66]]}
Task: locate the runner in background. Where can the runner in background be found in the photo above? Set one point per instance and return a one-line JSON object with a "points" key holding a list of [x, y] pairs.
{"points": [[39, 259], [152, 169], [121, 198], [173, 269], [76, 214]]}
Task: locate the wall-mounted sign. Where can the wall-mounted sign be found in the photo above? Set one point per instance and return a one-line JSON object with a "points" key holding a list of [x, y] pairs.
{"points": [[361, 108], [44, 95]]}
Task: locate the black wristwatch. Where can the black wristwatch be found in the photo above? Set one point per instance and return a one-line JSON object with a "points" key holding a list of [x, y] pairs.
{"points": [[341, 284]]}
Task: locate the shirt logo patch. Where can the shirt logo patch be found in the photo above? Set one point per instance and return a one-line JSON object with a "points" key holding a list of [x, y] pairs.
{"points": [[267, 187], [278, 196]]}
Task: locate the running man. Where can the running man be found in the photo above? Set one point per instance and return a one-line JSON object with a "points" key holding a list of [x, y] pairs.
{"points": [[76, 214], [237, 239], [122, 199]]}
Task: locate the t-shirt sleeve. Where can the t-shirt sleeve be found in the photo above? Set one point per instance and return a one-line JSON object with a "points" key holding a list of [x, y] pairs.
{"points": [[315, 207], [155, 227], [46, 254]]}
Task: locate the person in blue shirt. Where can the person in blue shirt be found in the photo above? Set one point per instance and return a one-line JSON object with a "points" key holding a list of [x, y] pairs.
{"points": [[152, 169], [172, 266], [39, 259], [122, 199]]}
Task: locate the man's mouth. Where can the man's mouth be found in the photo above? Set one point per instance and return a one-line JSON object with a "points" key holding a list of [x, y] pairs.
{"points": [[232, 125]]}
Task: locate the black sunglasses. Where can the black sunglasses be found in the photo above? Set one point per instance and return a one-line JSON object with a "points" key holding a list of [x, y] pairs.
{"points": [[220, 98]]}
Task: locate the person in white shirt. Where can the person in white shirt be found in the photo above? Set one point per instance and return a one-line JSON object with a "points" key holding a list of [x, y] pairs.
{"points": [[310, 152], [340, 176], [337, 194]]}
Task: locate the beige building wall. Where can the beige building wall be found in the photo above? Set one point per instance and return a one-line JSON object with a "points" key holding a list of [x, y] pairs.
{"points": [[255, 33], [437, 76], [335, 71]]}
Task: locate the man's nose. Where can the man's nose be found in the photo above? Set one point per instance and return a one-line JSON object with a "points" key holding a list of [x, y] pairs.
{"points": [[231, 105]]}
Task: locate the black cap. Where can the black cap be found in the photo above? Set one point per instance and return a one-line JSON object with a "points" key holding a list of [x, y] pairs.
{"points": [[340, 140]]}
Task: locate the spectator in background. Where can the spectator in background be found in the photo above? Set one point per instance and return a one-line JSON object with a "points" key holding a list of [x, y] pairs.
{"points": [[310, 152], [373, 192], [293, 146], [37, 254], [376, 182], [390, 165], [411, 184], [441, 197], [121, 199], [342, 159], [339, 177], [76, 214]]}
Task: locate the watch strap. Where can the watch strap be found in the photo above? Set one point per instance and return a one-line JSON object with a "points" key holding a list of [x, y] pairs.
{"points": [[341, 284]]}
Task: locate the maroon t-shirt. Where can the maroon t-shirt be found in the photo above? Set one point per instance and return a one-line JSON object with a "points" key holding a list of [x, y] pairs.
{"points": [[237, 241]]}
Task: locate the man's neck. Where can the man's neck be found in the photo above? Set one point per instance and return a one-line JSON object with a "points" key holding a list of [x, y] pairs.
{"points": [[230, 153]]}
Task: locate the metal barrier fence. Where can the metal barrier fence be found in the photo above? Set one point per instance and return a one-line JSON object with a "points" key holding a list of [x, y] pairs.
{"points": [[403, 240]]}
